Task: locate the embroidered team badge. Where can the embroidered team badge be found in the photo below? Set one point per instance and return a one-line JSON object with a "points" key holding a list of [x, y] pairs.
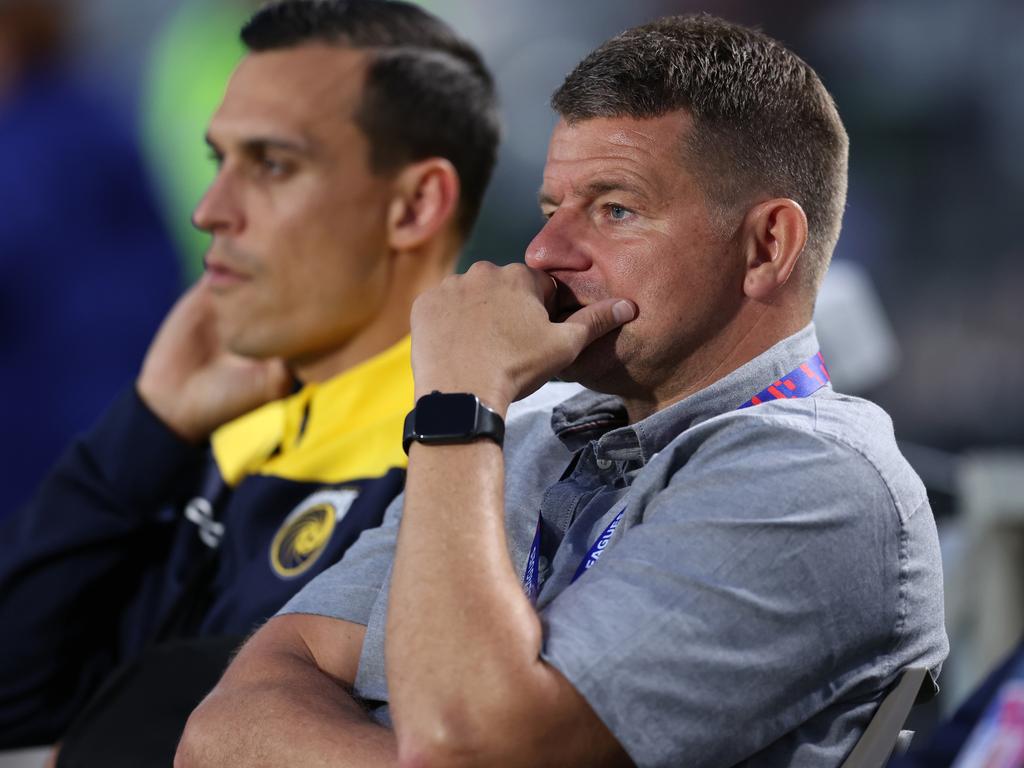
{"points": [[304, 534]]}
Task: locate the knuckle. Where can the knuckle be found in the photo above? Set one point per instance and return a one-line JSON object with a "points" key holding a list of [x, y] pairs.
{"points": [[422, 304], [449, 282], [597, 323]]}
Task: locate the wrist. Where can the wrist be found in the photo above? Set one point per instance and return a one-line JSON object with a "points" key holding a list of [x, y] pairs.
{"points": [[452, 418], [494, 399], [163, 410]]}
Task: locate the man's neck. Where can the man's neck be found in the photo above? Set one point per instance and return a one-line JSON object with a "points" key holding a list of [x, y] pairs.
{"points": [[412, 273], [736, 345], [357, 350]]}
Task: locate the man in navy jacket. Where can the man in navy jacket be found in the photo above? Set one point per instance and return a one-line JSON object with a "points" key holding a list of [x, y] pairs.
{"points": [[353, 146]]}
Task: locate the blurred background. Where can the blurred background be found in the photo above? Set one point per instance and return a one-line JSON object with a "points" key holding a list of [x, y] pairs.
{"points": [[103, 105]]}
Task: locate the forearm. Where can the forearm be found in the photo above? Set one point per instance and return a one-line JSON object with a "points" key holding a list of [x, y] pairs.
{"points": [[275, 706], [466, 682], [71, 557], [461, 634]]}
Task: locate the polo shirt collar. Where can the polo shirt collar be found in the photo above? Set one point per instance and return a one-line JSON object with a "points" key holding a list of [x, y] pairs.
{"points": [[326, 431]]}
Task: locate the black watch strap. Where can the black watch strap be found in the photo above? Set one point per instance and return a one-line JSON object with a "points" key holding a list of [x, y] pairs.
{"points": [[447, 418]]}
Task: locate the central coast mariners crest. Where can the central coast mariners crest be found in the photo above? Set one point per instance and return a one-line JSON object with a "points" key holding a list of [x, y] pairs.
{"points": [[305, 532]]}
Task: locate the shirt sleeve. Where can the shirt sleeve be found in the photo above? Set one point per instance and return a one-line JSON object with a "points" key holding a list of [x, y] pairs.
{"points": [[763, 584], [72, 559], [348, 589]]}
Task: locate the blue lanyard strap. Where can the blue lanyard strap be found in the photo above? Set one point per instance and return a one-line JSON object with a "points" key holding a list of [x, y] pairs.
{"points": [[531, 583], [594, 553], [803, 381]]}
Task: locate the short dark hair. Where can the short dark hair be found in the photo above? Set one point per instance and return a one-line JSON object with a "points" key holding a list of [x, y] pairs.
{"points": [[763, 122], [427, 92]]}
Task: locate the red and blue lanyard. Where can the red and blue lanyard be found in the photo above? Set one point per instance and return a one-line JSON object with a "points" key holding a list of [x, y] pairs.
{"points": [[803, 381]]}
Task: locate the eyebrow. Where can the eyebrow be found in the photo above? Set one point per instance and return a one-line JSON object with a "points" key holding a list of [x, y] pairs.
{"points": [[604, 186], [260, 144], [597, 188]]}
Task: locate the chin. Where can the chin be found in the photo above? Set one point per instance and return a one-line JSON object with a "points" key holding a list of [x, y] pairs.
{"points": [[245, 346], [599, 367]]}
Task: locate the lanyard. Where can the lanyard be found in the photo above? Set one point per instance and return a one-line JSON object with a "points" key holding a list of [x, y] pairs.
{"points": [[803, 381]]}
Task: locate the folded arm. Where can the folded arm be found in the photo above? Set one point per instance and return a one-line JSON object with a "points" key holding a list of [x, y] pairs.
{"points": [[287, 699], [73, 560], [76, 555]]}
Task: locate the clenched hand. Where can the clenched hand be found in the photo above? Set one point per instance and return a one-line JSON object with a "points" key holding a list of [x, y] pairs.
{"points": [[489, 332]]}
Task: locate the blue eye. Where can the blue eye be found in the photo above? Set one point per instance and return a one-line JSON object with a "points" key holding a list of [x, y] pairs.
{"points": [[617, 212]]}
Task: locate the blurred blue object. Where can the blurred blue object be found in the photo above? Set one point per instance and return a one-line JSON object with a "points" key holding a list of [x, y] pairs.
{"points": [[986, 731], [86, 269]]}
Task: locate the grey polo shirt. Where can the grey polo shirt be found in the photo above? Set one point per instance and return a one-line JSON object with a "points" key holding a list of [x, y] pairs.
{"points": [[773, 570]]}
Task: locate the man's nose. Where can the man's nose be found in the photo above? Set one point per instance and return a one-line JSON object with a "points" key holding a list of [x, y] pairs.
{"points": [[558, 246], [219, 211]]}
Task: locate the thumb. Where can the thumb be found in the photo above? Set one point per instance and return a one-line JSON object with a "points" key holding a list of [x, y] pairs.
{"points": [[277, 379], [595, 320], [260, 381]]}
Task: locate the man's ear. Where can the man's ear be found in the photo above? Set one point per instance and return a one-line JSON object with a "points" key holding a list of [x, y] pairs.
{"points": [[425, 197], [775, 233]]}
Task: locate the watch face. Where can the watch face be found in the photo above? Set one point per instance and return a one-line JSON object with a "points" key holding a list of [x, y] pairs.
{"points": [[446, 415]]}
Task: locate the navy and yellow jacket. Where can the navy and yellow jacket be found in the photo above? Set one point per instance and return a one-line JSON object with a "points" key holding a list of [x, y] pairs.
{"points": [[137, 536]]}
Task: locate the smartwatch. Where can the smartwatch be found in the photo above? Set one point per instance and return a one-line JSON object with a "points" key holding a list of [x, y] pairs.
{"points": [[446, 418]]}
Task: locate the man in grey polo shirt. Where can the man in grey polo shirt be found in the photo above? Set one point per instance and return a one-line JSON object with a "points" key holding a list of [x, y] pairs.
{"points": [[710, 558]]}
